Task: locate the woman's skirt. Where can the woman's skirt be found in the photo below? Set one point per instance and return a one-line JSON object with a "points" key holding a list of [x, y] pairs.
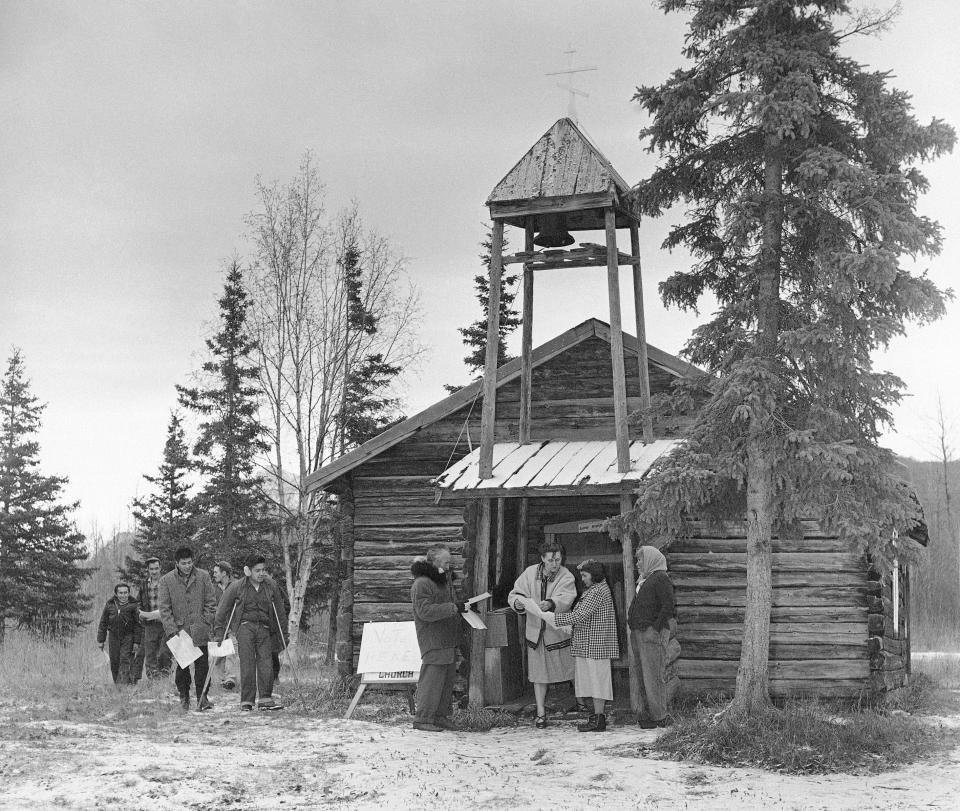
{"points": [[593, 678], [549, 666]]}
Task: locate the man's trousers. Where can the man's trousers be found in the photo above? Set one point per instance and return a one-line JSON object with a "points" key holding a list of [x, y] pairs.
{"points": [[435, 691], [153, 653], [200, 668], [254, 645], [121, 658]]}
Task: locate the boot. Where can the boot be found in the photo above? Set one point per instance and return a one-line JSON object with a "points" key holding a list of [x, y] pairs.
{"points": [[596, 723]]}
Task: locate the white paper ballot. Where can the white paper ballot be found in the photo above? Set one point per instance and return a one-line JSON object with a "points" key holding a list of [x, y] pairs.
{"points": [[479, 598], [533, 607], [183, 649], [226, 649], [474, 620]]}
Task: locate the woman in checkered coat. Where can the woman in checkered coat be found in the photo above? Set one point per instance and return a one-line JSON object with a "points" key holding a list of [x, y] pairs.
{"points": [[594, 642]]}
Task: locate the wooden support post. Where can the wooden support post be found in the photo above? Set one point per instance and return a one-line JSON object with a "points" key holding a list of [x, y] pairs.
{"points": [[501, 523], [523, 540], [616, 346], [526, 345], [489, 414], [644, 369], [629, 591], [481, 564], [523, 534]]}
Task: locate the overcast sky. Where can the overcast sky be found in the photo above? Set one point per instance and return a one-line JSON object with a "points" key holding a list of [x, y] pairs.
{"points": [[133, 133]]}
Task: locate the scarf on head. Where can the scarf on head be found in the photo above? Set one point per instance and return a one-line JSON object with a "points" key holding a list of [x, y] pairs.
{"points": [[649, 560]]}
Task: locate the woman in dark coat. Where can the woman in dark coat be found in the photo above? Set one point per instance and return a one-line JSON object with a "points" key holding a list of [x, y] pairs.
{"points": [[652, 620], [121, 621]]}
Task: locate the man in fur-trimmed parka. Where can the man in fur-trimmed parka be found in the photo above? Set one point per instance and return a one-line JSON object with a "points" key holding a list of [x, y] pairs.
{"points": [[436, 614]]}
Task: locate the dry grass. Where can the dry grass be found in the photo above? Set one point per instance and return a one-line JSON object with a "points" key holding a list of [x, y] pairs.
{"points": [[806, 737], [943, 669]]}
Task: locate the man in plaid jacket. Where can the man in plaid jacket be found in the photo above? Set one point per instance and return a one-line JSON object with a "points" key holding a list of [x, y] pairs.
{"points": [[595, 642]]}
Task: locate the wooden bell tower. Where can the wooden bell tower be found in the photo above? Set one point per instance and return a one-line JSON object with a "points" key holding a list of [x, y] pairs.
{"points": [[563, 184]]}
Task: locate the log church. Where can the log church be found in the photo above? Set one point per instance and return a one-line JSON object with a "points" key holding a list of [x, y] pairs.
{"points": [[545, 446]]}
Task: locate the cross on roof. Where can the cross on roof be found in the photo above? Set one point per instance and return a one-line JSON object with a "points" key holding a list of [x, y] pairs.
{"points": [[574, 92]]}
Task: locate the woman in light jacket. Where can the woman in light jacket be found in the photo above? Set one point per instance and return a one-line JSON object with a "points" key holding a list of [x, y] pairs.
{"points": [[551, 585], [595, 642]]}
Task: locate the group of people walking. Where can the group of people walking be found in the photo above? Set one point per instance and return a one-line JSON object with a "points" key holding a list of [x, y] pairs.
{"points": [[249, 609], [568, 637]]}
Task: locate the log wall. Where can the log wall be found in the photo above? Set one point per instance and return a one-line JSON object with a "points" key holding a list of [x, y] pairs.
{"points": [[823, 596], [890, 640], [395, 513], [832, 623]]}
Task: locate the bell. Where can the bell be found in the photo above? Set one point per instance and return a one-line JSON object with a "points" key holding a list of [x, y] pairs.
{"points": [[553, 232]]}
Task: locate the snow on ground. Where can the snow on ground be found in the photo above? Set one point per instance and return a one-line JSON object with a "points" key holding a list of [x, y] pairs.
{"points": [[227, 760]]}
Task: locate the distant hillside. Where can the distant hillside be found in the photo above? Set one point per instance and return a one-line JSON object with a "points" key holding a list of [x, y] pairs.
{"points": [[106, 558], [935, 585]]}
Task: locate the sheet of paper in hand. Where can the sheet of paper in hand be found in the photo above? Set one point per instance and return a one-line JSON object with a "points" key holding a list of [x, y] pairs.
{"points": [[226, 649], [183, 649], [474, 620], [532, 607]]}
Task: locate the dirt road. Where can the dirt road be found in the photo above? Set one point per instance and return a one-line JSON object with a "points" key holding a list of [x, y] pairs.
{"points": [[225, 760]]}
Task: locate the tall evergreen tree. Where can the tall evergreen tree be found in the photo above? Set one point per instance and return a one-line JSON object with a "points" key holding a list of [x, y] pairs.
{"points": [[230, 505], [165, 518], [800, 168], [40, 549], [367, 408], [475, 335]]}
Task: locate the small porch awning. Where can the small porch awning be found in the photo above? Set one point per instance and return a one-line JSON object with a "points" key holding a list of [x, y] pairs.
{"points": [[551, 467]]}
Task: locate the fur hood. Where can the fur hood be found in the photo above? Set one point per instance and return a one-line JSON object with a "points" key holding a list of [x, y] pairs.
{"points": [[423, 568]]}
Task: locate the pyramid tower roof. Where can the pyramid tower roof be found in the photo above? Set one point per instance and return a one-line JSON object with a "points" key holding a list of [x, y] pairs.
{"points": [[562, 172]]}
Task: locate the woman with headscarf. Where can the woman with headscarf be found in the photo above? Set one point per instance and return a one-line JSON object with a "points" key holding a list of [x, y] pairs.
{"points": [[595, 641], [551, 585], [651, 619]]}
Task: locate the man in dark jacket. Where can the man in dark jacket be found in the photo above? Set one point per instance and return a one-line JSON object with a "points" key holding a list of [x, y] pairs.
{"points": [[119, 619], [153, 652], [436, 614], [188, 602], [257, 624]]}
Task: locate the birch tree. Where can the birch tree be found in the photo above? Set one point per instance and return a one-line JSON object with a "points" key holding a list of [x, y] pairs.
{"points": [[309, 273]]}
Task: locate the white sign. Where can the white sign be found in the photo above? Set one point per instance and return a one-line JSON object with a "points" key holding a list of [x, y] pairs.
{"points": [[389, 647]]}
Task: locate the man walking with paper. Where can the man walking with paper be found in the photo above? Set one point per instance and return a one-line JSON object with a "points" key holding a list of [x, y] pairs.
{"points": [[436, 614], [187, 603], [252, 612], [224, 667]]}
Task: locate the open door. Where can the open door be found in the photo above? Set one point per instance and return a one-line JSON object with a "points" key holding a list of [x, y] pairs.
{"points": [[586, 539]]}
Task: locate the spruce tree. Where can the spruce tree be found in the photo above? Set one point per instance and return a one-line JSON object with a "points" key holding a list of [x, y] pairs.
{"points": [[366, 408], [799, 167], [41, 551], [230, 507], [475, 335], [165, 518]]}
